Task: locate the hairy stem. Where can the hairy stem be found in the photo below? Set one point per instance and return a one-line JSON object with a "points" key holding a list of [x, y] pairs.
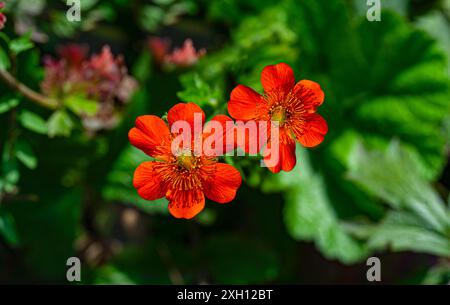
{"points": [[27, 92]]}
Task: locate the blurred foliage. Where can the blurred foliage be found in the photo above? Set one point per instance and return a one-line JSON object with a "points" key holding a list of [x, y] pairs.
{"points": [[419, 219], [376, 184]]}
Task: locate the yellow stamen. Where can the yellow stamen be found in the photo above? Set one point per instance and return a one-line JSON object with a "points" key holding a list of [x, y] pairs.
{"points": [[278, 114], [187, 160]]}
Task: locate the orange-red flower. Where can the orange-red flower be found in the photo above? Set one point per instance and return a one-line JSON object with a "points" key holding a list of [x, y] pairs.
{"points": [[184, 179], [291, 104]]}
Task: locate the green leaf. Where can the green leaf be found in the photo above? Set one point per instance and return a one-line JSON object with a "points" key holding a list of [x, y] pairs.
{"points": [[25, 154], [421, 221], [81, 105], [4, 60], [151, 17], [198, 91], [438, 275], [401, 186], [59, 124], [8, 229], [309, 214], [398, 6], [436, 25], [397, 237], [21, 44], [410, 73], [33, 122], [8, 103]]}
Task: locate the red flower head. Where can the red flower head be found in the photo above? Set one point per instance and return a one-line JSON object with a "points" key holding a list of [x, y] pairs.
{"points": [[2, 16], [292, 105], [73, 54], [184, 178], [183, 57], [102, 77]]}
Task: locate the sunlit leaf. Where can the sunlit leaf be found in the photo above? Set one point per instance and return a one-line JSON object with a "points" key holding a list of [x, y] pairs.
{"points": [[33, 122], [59, 124]]}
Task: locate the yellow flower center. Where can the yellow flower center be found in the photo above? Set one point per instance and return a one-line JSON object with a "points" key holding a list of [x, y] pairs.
{"points": [[187, 160], [278, 114]]}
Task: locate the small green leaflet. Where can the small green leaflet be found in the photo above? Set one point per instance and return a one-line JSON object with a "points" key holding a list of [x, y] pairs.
{"points": [[59, 124]]}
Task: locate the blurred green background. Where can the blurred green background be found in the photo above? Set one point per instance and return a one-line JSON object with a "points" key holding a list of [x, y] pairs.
{"points": [[377, 186]]}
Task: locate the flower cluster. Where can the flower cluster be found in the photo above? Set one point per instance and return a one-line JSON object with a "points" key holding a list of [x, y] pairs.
{"points": [[2, 16], [185, 175], [102, 76], [183, 57]]}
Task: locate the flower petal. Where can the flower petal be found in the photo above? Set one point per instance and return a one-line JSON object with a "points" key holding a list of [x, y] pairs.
{"points": [[185, 204], [310, 93], [150, 135], [148, 182], [252, 136], [246, 104], [226, 134], [185, 112], [313, 131], [278, 76], [286, 154], [222, 186]]}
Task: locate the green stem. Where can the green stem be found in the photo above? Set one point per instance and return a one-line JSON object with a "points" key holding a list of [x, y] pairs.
{"points": [[30, 94]]}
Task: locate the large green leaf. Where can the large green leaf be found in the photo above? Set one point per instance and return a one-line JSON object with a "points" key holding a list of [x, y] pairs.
{"points": [[382, 80], [309, 214], [421, 220], [385, 79]]}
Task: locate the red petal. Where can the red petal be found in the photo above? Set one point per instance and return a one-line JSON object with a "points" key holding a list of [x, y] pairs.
{"points": [[287, 159], [185, 204], [246, 104], [310, 93], [227, 134], [313, 132], [278, 76], [185, 112], [148, 182], [251, 136], [150, 135], [222, 186]]}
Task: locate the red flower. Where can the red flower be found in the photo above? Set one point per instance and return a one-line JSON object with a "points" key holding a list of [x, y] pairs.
{"points": [[102, 77], [292, 104], [2, 16], [183, 57], [184, 179]]}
